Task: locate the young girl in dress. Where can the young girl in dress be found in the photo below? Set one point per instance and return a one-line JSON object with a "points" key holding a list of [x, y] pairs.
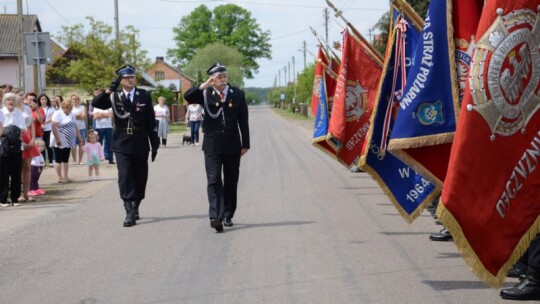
{"points": [[94, 154], [36, 167]]}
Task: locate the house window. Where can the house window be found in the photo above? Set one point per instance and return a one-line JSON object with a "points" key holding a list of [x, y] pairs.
{"points": [[160, 75]]}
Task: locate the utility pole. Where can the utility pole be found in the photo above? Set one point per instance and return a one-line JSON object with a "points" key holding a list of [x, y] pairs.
{"points": [[293, 70], [117, 31], [279, 77], [294, 79], [289, 69], [285, 75], [20, 46], [304, 50], [326, 19]]}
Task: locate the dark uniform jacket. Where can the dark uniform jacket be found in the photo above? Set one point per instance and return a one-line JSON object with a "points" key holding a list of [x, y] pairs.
{"points": [[142, 121], [227, 133]]}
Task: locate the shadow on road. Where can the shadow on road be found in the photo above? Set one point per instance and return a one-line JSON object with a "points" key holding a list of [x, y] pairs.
{"points": [[152, 220], [276, 224], [454, 285]]}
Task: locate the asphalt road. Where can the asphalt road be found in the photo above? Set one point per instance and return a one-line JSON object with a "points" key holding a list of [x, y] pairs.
{"points": [[307, 230]]}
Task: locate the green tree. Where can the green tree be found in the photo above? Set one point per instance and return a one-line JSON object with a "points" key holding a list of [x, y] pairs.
{"points": [[383, 25], [252, 98], [230, 24], [205, 57], [304, 84], [168, 93], [95, 54]]}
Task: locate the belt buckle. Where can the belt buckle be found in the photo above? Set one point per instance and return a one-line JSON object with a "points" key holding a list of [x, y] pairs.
{"points": [[129, 131]]}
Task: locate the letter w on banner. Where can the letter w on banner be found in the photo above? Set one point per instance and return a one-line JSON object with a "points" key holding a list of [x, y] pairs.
{"points": [[324, 85], [354, 97], [406, 189], [491, 196]]}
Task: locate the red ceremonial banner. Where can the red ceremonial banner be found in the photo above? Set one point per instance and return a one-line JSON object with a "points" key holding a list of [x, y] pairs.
{"points": [[354, 97], [490, 198], [329, 70]]}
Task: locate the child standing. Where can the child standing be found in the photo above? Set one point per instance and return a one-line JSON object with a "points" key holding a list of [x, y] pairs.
{"points": [[36, 167], [94, 154]]}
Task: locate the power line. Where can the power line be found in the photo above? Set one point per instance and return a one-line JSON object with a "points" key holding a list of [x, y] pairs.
{"points": [[57, 12]]}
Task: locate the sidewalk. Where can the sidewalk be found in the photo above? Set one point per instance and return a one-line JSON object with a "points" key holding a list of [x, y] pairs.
{"points": [[64, 196]]}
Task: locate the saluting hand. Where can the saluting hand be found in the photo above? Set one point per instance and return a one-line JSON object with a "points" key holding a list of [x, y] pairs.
{"points": [[208, 83]]}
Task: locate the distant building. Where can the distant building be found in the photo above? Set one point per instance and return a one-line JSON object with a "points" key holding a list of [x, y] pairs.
{"points": [[10, 44], [163, 73], [168, 76]]}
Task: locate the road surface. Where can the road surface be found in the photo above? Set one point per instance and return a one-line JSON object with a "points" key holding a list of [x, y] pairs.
{"points": [[307, 230]]}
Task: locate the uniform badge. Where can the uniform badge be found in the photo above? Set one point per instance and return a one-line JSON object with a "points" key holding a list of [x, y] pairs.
{"points": [[505, 72], [230, 104]]}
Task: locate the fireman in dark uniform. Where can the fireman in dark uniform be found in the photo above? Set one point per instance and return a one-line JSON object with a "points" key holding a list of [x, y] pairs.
{"points": [[134, 133], [226, 139]]}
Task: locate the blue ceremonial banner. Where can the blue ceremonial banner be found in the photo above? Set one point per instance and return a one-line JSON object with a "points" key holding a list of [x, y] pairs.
{"points": [[428, 109], [324, 73], [321, 119], [408, 190]]}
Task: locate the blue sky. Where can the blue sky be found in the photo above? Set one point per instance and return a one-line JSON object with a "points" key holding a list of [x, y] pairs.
{"points": [[288, 21]]}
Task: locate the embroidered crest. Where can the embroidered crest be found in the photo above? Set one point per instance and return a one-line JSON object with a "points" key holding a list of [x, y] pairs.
{"points": [[463, 54], [317, 86], [430, 113], [505, 72], [356, 100]]}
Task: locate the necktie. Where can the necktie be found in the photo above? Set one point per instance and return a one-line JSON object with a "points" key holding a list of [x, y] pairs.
{"points": [[129, 97], [221, 95]]}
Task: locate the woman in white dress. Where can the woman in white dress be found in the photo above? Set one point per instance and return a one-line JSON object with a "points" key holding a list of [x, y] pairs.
{"points": [[162, 120]]}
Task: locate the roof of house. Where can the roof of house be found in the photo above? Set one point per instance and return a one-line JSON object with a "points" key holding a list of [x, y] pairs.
{"points": [[177, 70], [9, 23]]}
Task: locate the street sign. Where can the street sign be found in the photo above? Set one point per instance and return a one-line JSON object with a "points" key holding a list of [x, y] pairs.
{"points": [[38, 48]]}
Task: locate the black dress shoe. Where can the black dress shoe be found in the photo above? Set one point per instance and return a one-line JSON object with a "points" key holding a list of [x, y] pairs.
{"points": [[526, 290], [111, 162], [228, 222], [216, 224], [441, 236]]}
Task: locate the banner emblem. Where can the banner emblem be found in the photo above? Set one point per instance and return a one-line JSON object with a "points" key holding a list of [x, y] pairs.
{"points": [[430, 113], [356, 100], [508, 55], [317, 86], [463, 53]]}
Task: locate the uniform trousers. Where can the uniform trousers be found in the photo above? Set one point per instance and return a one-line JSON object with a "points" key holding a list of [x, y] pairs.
{"points": [[132, 175], [10, 177], [532, 256], [222, 192]]}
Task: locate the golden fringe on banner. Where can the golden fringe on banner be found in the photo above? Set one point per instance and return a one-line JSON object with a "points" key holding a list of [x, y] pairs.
{"points": [[409, 218], [470, 257], [420, 141]]}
